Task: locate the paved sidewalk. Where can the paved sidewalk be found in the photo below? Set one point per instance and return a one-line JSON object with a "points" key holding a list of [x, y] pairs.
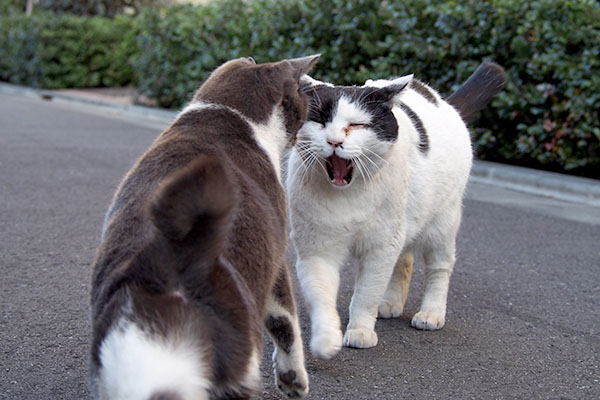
{"points": [[543, 183]]}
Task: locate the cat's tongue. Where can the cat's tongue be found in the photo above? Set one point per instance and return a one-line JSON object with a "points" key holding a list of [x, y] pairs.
{"points": [[340, 169]]}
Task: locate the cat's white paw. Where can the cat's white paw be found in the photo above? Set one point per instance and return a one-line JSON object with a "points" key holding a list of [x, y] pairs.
{"points": [[290, 376], [360, 338], [387, 309], [429, 320], [326, 344]]}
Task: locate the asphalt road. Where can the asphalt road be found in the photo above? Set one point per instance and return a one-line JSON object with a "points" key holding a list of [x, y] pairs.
{"points": [[523, 316]]}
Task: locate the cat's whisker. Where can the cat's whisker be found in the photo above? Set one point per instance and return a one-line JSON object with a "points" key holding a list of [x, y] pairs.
{"points": [[366, 170], [373, 163], [320, 162], [371, 168], [360, 167], [306, 157], [317, 98], [311, 162], [375, 154]]}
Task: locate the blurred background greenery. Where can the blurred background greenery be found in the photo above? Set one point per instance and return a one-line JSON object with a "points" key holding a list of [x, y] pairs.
{"points": [[548, 117]]}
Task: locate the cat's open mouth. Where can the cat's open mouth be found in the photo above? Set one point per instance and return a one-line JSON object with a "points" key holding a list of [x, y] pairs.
{"points": [[339, 170]]}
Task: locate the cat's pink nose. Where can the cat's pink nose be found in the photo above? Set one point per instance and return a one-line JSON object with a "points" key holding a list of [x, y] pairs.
{"points": [[334, 143]]}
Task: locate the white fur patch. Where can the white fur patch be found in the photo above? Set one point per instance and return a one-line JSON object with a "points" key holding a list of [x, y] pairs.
{"points": [[272, 138], [135, 366], [196, 105], [271, 135]]}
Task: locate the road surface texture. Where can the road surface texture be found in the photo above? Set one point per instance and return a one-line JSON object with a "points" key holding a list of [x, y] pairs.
{"points": [[523, 316]]}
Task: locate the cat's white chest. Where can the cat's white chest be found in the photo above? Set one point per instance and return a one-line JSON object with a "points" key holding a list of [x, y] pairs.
{"points": [[358, 216]]}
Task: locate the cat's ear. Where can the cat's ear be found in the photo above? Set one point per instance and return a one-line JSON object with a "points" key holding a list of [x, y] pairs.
{"points": [[307, 81], [302, 65], [387, 94], [309, 84], [379, 83]]}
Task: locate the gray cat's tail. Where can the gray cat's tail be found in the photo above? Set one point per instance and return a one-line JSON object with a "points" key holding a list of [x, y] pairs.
{"points": [[194, 207], [478, 90]]}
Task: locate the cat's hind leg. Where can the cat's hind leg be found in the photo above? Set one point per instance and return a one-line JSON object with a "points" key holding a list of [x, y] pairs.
{"points": [[320, 279], [439, 258], [281, 322], [396, 294]]}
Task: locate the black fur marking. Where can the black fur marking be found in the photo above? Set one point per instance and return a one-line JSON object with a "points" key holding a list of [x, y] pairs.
{"points": [[282, 332], [323, 102], [288, 377], [418, 124], [424, 91], [165, 396]]}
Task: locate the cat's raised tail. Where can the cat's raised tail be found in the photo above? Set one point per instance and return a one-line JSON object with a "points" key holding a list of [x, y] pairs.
{"points": [[196, 204], [478, 90]]}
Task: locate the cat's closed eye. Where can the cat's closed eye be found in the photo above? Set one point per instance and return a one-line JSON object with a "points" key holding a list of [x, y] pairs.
{"points": [[354, 125]]}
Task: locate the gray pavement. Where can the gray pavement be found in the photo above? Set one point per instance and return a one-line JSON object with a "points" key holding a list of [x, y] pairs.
{"points": [[524, 304]]}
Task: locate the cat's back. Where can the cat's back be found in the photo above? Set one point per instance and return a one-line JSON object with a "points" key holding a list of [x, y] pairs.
{"points": [[435, 113], [212, 132], [439, 156], [441, 140]]}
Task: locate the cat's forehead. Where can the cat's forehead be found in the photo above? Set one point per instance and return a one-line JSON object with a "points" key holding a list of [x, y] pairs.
{"points": [[325, 92], [350, 110], [345, 103]]}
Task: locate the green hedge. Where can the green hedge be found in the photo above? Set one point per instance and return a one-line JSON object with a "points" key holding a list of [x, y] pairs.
{"points": [[61, 51], [547, 116]]}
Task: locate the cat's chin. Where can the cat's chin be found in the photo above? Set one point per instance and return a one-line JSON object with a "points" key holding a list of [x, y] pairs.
{"points": [[339, 171]]}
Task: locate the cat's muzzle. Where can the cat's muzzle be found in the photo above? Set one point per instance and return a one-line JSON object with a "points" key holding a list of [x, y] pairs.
{"points": [[339, 170]]}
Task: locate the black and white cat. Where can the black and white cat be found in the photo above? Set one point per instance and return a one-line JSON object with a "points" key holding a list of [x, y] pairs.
{"points": [[378, 173], [192, 266]]}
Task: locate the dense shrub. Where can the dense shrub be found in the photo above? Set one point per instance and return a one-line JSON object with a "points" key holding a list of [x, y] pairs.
{"points": [[105, 8], [61, 51], [8, 7], [547, 116]]}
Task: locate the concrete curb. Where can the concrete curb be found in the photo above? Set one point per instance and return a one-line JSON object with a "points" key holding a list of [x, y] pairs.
{"points": [[154, 114], [543, 183], [548, 184]]}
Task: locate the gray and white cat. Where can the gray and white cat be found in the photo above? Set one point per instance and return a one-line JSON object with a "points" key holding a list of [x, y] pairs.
{"points": [[378, 173], [191, 265]]}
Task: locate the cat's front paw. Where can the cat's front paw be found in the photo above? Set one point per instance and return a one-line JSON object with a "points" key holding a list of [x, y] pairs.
{"points": [[387, 309], [360, 338], [293, 384], [326, 344], [290, 377], [429, 320]]}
